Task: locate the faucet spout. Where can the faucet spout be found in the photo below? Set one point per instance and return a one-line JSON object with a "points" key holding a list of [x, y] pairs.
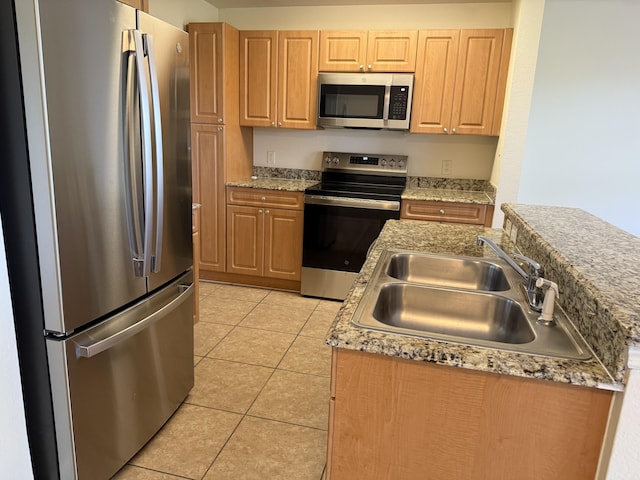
{"points": [[502, 254], [533, 292]]}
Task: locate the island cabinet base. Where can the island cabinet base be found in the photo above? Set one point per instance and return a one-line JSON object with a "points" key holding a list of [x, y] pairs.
{"points": [[392, 419]]}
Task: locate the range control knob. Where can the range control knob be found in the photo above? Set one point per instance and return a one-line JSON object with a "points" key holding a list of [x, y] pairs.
{"points": [[383, 162], [336, 160], [392, 163], [400, 163], [327, 160]]}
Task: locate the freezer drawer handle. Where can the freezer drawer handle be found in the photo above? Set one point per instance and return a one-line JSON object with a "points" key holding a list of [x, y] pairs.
{"points": [[99, 346]]}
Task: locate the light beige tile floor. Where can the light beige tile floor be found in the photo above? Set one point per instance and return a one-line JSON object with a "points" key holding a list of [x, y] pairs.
{"points": [[259, 407]]}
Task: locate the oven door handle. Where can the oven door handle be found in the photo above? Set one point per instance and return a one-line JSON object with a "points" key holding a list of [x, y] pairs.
{"points": [[363, 203]]}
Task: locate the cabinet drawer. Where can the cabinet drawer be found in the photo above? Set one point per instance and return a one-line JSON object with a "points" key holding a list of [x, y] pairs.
{"points": [[451, 212], [265, 198]]}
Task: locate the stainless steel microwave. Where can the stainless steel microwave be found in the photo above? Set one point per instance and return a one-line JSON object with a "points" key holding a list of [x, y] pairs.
{"points": [[365, 100]]}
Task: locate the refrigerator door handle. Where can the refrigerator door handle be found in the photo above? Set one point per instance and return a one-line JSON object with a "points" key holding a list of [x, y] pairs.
{"points": [[87, 348], [147, 151], [132, 140], [159, 162]]}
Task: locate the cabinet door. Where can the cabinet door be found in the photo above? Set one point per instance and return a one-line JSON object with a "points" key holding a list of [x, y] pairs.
{"points": [[297, 79], [505, 57], [342, 50], [391, 51], [434, 81], [283, 243], [476, 81], [258, 56], [206, 50], [208, 190], [245, 246], [196, 263]]}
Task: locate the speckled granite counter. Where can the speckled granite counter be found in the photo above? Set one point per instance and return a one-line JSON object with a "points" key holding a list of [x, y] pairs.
{"points": [[438, 189], [456, 240], [596, 266], [274, 184]]}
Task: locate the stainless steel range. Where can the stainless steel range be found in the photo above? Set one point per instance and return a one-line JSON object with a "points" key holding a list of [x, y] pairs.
{"points": [[344, 214]]}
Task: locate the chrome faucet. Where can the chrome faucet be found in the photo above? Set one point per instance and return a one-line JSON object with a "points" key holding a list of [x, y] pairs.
{"points": [[534, 293]]}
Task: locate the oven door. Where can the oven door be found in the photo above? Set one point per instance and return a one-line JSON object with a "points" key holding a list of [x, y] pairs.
{"points": [[337, 235]]}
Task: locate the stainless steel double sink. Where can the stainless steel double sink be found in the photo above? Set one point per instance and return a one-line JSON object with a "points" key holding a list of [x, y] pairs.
{"points": [[465, 300]]}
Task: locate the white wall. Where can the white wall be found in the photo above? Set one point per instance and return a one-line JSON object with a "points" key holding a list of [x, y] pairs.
{"points": [[180, 13], [369, 17], [524, 52], [472, 156], [15, 461], [583, 143]]}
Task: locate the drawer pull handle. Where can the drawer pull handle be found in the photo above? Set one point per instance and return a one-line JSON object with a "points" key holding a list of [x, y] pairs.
{"points": [[442, 211], [264, 199]]}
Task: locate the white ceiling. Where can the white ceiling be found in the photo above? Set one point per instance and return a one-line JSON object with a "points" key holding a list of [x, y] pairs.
{"points": [[306, 3]]}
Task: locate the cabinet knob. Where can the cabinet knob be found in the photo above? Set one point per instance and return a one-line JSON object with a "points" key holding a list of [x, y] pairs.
{"points": [[273, 124], [264, 199], [260, 211], [220, 120], [442, 211], [219, 129], [453, 130], [446, 130], [369, 67], [362, 68], [279, 124], [267, 212]]}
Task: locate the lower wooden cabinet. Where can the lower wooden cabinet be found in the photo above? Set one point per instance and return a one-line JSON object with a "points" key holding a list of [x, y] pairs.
{"points": [[195, 233], [264, 233], [447, 212], [392, 418]]}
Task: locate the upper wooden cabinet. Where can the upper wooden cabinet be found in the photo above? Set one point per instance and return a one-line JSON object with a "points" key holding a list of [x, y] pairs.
{"points": [[368, 51], [278, 79], [139, 4], [214, 73], [460, 81]]}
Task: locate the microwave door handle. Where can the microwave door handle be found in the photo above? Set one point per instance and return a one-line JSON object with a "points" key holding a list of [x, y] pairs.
{"points": [[385, 109]]}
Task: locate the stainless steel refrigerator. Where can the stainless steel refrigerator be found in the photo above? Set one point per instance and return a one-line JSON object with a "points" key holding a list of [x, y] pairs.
{"points": [[97, 214]]}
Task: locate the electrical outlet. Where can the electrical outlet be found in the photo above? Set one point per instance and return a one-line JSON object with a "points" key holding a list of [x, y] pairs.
{"points": [[447, 167], [271, 159]]}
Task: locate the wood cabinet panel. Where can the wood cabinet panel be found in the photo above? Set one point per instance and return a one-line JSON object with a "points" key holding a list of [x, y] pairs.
{"points": [[297, 79], [446, 212], [368, 51], [397, 418], [283, 243], [460, 81], [258, 76], [278, 78], [207, 144], [342, 50], [245, 240], [392, 50], [476, 86], [434, 81], [206, 57], [270, 226], [195, 235]]}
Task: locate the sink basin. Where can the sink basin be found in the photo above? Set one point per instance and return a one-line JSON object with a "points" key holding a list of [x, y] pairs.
{"points": [[454, 272], [452, 312], [464, 300]]}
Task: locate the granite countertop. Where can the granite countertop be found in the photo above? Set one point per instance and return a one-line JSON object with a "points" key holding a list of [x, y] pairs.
{"points": [[284, 184], [444, 195], [455, 240]]}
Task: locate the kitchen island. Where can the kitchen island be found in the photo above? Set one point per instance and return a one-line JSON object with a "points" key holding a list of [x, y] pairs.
{"points": [[399, 409]]}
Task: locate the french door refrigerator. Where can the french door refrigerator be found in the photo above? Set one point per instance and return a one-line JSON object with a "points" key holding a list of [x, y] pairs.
{"points": [[97, 213]]}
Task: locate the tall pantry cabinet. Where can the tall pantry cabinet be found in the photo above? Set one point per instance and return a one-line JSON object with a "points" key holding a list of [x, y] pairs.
{"points": [[221, 149]]}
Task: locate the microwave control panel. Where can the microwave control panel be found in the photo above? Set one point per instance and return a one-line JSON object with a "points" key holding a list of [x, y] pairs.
{"points": [[399, 98]]}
